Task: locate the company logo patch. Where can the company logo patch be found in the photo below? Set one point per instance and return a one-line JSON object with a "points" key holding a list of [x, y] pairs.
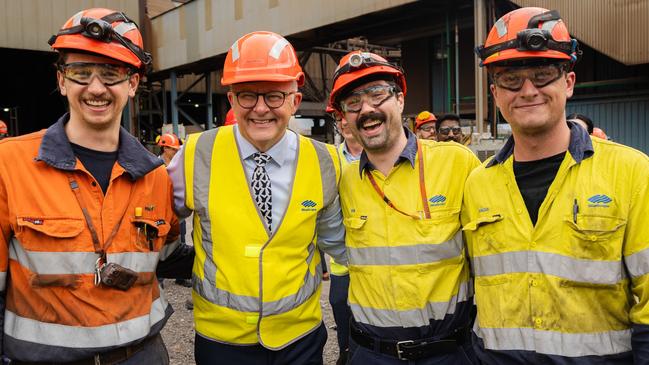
{"points": [[482, 210], [437, 200], [599, 200], [308, 206]]}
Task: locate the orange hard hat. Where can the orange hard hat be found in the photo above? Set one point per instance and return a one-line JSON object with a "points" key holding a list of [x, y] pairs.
{"points": [[169, 140], [105, 32], [229, 118], [356, 65], [597, 132], [3, 128], [261, 56], [423, 118], [529, 33]]}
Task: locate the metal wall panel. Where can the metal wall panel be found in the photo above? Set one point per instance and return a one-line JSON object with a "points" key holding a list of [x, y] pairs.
{"points": [[616, 28], [28, 24], [624, 120]]}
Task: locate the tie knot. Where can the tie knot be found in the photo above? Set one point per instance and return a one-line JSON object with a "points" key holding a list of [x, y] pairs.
{"points": [[261, 158]]}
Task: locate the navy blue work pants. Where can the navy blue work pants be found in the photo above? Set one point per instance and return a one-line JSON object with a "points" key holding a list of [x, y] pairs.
{"points": [[305, 351], [338, 292]]}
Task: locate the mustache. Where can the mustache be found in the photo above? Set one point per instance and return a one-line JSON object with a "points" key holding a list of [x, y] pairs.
{"points": [[371, 116]]}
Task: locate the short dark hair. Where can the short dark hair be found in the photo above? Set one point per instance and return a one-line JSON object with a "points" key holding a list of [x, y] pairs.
{"points": [[444, 117], [584, 118]]}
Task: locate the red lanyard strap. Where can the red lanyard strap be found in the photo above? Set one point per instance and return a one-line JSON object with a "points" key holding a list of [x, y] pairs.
{"points": [[93, 232], [422, 189]]}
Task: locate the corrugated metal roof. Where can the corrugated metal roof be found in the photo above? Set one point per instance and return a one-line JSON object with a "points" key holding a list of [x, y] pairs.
{"points": [[616, 28]]}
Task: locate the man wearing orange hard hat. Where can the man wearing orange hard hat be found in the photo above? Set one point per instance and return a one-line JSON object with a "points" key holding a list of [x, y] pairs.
{"points": [[86, 214], [4, 132], [556, 221], [169, 144], [230, 118], [425, 125], [265, 199]]}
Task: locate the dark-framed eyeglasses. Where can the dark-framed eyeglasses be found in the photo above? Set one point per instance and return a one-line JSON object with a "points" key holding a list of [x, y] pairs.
{"points": [[273, 99], [373, 95], [108, 74], [446, 130], [513, 78]]}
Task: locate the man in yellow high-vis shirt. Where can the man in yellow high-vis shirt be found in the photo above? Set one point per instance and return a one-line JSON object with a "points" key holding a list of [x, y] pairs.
{"points": [[410, 291]]}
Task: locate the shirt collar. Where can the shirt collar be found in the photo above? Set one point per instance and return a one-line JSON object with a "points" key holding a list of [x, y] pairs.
{"points": [[409, 153], [277, 152], [348, 155], [580, 146], [56, 151]]}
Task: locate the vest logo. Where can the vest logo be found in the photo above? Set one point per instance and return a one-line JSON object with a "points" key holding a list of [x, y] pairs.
{"points": [[482, 210], [308, 206], [599, 201], [437, 200]]}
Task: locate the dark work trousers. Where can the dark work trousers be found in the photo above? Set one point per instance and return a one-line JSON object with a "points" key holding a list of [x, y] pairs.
{"points": [[342, 313], [323, 262], [362, 356], [305, 351]]}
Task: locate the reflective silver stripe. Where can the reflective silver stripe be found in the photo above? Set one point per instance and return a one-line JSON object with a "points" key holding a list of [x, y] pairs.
{"points": [[76, 19], [54, 334], [413, 317], [277, 48], [588, 271], [638, 263], [235, 51], [406, 255], [78, 262], [202, 175], [327, 172], [556, 343], [501, 27], [3, 281], [122, 28], [168, 249], [251, 304]]}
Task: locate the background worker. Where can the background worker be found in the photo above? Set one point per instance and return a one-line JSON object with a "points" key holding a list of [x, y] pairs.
{"points": [[169, 145], [4, 132], [410, 291], [86, 213], [555, 221], [425, 126], [265, 200], [582, 121], [449, 129]]}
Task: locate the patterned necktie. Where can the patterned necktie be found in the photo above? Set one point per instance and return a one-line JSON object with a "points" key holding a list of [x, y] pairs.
{"points": [[261, 187]]}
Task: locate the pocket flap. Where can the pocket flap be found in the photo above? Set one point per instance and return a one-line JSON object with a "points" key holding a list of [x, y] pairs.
{"points": [[473, 225], [160, 225], [61, 227], [354, 222], [595, 223]]}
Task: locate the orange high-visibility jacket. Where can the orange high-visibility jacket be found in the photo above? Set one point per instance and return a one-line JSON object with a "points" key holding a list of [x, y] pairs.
{"points": [[54, 311]]}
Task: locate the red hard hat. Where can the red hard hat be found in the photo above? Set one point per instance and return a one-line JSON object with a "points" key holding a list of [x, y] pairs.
{"points": [[169, 140], [599, 133], [529, 33], [229, 118], [423, 118], [261, 56], [3, 128], [356, 65], [105, 32]]}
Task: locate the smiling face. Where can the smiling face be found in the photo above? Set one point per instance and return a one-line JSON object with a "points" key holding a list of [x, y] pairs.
{"points": [[263, 126], [377, 128], [96, 105], [534, 110]]}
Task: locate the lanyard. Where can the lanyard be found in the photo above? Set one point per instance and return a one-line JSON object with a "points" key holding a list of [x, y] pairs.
{"points": [[422, 189], [99, 249]]}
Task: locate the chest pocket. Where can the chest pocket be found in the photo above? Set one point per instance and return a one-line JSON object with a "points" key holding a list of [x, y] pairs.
{"points": [[441, 226], [488, 234], [46, 233], [594, 236], [354, 230], [148, 234]]}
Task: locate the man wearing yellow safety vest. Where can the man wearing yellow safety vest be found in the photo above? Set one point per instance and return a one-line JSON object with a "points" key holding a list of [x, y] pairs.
{"points": [[410, 290], [265, 200], [554, 221]]}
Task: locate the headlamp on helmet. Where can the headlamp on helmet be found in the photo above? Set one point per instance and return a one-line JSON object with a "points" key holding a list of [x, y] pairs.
{"points": [[359, 61]]}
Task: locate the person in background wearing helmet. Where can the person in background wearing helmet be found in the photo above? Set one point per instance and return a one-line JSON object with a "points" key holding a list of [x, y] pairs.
{"points": [[448, 128], [582, 121], [169, 145], [230, 118], [86, 214], [410, 291], [265, 199], [554, 220], [4, 132], [425, 126]]}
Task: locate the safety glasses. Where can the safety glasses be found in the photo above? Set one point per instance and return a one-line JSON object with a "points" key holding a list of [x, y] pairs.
{"points": [[513, 78], [427, 128], [373, 95], [108, 74]]}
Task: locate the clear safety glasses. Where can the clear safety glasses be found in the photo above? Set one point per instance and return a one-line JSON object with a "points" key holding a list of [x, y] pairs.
{"points": [[108, 74], [374, 96], [513, 78]]}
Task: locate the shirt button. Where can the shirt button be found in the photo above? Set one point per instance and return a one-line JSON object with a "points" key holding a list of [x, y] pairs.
{"points": [[593, 238], [387, 182], [533, 244], [538, 322], [519, 211], [534, 283]]}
